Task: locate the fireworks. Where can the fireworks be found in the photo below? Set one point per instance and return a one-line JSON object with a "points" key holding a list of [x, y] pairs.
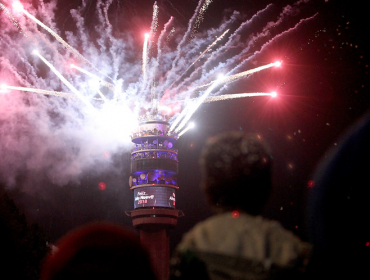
{"points": [[176, 76], [64, 80], [4, 88], [200, 17], [190, 110], [248, 72], [150, 68], [104, 83], [11, 17], [238, 95], [190, 126], [170, 34], [201, 55], [55, 35], [145, 56], [153, 28]]}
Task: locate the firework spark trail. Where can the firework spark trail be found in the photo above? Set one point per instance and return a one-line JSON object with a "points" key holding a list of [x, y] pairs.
{"points": [[161, 38], [56, 36], [235, 95], [238, 75], [12, 19], [199, 18], [105, 25], [158, 62], [101, 95], [108, 32], [236, 59], [188, 112], [59, 39], [287, 11], [104, 83], [265, 45], [217, 31], [173, 73], [108, 43], [19, 48], [105, 10], [209, 47], [190, 126], [176, 119], [82, 39], [302, 21], [248, 72], [44, 12], [192, 108], [170, 34], [148, 50], [5, 63], [41, 91], [201, 74], [102, 13], [80, 36], [145, 57], [23, 78], [153, 28], [64, 80], [200, 56]]}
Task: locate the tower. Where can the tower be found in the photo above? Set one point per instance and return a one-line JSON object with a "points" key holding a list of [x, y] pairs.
{"points": [[154, 169]]}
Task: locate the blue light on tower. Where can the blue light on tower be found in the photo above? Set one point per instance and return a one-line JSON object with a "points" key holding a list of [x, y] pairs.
{"points": [[154, 164]]}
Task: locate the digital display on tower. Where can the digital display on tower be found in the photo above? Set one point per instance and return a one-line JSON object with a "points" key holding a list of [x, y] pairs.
{"points": [[154, 197]]}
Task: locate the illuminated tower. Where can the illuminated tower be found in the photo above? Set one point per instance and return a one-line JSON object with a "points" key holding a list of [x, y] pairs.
{"points": [[154, 168]]}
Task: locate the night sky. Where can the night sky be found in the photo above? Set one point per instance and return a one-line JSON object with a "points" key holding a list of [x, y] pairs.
{"points": [[322, 89]]}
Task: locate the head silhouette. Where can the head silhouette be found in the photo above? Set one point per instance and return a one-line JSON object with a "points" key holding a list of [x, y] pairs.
{"points": [[236, 172], [98, 251]]}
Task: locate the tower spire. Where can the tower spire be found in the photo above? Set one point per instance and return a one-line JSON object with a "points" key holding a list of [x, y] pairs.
{"points": [[154, 99]]}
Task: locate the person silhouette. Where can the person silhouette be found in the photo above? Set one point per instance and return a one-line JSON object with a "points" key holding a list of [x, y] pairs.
{"points": [[237, 242], [98, 250]]}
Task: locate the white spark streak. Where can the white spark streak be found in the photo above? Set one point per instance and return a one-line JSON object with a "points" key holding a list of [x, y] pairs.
{"points": [[145, 56], [190, 126], [64, 80], [237, 95], [41, 91], [194, 106], [104, 83]]}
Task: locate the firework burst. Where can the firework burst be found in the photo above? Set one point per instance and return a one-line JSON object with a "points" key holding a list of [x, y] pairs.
{"points": [[92, 116]]}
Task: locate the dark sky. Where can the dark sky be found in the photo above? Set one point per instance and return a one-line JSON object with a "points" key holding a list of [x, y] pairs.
{"points": [[322, 87]]}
